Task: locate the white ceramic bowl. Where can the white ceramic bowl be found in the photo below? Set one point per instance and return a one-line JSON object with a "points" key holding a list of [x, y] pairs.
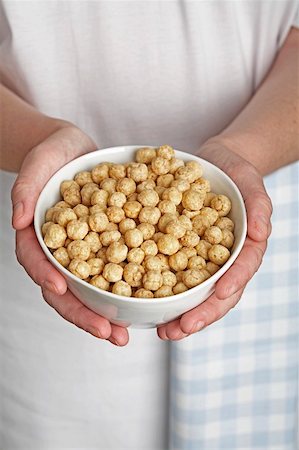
{"points": [[127, 311]]}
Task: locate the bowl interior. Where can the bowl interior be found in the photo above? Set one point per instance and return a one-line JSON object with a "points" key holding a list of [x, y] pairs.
{"points": [[220, 183]]}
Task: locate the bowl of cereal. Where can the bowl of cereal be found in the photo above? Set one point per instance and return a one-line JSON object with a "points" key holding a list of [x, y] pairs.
{"points": [[141, 234]]}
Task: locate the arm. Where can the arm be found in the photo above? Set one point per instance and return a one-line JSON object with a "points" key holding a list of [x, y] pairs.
{"points": [[262, 138], [37, 146]]}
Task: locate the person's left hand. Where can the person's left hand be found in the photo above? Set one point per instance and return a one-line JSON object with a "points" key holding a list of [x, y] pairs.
{"points": [[232, 284]]}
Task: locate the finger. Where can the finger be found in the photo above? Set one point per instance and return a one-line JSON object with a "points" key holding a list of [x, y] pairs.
{"points": [[34, 261], [171, 331], [60, 148], [119, 336], [208, 312], [72, 310], [242, 270]]}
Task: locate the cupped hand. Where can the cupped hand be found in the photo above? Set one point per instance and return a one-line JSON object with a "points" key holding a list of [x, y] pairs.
{"points": [[231, 285], [67, 143]]}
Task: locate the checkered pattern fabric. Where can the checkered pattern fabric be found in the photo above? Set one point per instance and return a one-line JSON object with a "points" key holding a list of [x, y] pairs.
{"points": [[235, 384]]}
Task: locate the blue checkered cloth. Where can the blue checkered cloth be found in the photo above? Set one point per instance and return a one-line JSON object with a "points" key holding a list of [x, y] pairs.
{"points": [[235, 384]]}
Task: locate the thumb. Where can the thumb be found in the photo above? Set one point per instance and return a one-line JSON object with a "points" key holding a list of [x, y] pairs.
{"points": [[39, 165]]}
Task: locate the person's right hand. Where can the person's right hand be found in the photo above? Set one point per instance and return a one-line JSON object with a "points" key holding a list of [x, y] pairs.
{"points": [[67, 143]]}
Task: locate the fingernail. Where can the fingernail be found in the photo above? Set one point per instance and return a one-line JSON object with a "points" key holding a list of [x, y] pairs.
{"points": [[197, 326], [95, 332], [50, 287], [114, 341], [18, 210]]}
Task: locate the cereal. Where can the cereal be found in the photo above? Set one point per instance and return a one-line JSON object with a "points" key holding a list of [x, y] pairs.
{"points": [[149, 228]]}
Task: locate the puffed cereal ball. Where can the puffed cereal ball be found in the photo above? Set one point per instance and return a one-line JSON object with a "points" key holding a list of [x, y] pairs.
{"points": [[98, 222], [147, 229], [112, 227], [208, 198], [133, 274], [193, 277], [83, 177], [210, 214], [93, 239], [147, 184], [45, 227], [145, 155], [225, 223], [133, 238], [203, 248], [112, 272], [100, 172], [151, 174], [62, 204], [144, 293], [172, 194], [201, 185], [164, 220], [157, 236], [192, 200], [148, 197], [132, 197], [99, 197], [150, 215], [117, 199], [179, 275], [160, 166], [96, 265], [175, 228], [179, 288], [117, 171], [100, 282], [116, 252], [96, 209], [109, 185], [132, 209], [102, 254], [107, 237], [174, 164], [200, 224], [190, 239], [126, 224], [78, 249], [189, 251], [218, 254], [160, 190], [163, 291], [196, 262], [181, 185], [152, 280], [227, 238], [152, 263], [122, 288], [137, 171], [115, 214], [164, 261], [81, 210], [77, 229], [66, 184], [136, 255], [149, 247], [72, 195], [62, 256], [165, 151], [213, 235], [168, 245], [212, 267], [86, 192], [55, 236], [126, 186], [222, 204], [186, 173], [165, 180], [196, 167], [178, 261], [79, 268], [167, 207], [169, 278]]}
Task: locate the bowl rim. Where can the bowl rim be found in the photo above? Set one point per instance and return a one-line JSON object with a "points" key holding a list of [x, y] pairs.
{"points": [[134, 300]]}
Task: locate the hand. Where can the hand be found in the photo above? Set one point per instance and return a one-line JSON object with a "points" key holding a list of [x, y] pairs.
{"points": [[67, 143], [232, 284]]}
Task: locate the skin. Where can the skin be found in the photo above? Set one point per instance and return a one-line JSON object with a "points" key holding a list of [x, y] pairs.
{"points": [[262, 138]]}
